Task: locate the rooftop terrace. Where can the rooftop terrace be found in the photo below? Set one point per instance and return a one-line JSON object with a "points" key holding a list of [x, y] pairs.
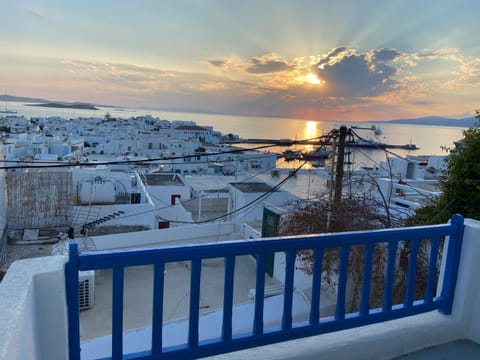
{"points": [[162, 180], [252, 187]]}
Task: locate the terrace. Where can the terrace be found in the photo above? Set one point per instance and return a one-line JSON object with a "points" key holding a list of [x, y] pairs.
{"points": [[40, 317]]}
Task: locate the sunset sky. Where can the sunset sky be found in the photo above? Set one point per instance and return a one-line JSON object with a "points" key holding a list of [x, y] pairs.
{"points": [[307, 59]]}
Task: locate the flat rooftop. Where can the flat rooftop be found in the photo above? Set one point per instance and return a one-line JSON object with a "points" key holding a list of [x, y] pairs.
{"points": [[162, 180], [206, 208], [209, 182], [252, 187]]}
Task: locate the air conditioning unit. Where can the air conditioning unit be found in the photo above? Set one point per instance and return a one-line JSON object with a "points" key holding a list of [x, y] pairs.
{"points": [[86, 289]]}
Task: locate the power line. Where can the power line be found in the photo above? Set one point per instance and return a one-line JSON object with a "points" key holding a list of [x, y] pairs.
{"points": [[264, 195], [51, 164]]}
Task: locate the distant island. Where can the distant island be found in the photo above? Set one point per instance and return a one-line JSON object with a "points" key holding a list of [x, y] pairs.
{"points": [[21, 99], [428, 120], [81, 106], [53, 104], [437, 121]]}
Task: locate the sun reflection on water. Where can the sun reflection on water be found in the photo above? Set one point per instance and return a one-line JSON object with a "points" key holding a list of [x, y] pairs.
{"points": [[310, 132]]}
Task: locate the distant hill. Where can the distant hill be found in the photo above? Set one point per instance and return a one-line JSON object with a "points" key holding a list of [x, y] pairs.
{"points": [[73, 105], [437, 121], [83, 106], [21, 99]]}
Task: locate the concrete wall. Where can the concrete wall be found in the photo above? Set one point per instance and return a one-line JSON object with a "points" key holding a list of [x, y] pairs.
{"points": [[176, 215], [161, 195], [248, 232], [33, 314], [255, 212], [467, 294], [194, 234], [38, 199]]}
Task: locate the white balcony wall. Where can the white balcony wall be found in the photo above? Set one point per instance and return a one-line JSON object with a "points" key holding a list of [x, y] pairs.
{"points": [[33, 313]]}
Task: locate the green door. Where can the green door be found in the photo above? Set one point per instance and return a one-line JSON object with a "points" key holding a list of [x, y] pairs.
{"points": [[270, 223]]}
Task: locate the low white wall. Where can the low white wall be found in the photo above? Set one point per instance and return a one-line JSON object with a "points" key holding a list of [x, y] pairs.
{"points": [[467, 293], [194, 234], [33, 313], [176, 215], [248, 232]]}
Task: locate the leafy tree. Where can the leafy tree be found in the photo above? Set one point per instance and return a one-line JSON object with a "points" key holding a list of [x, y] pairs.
{"points": [[461, 189]]}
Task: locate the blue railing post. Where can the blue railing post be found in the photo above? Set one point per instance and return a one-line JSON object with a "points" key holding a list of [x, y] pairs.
{"points": [[259, 295], [228, 298], [367, 280], [342, 283], [195, 277], [389, 276], [117, 311], [412, 275], [157, 311], [316, 286], [288, 293], [73, 308], [452, 263], [432, 269]]}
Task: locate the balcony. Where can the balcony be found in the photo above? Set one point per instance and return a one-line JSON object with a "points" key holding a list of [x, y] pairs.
{"points": [[40, 317]]}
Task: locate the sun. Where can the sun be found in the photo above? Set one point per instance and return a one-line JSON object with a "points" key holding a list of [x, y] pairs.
{"points": [[310, 78]]}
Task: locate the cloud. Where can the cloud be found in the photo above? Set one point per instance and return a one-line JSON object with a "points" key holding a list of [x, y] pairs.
{"points": [[434, 54], [422, 102], [349, 74], [383, 55], [469, 71], [332, 55], [32, 12], [350, 82], [148, 80], [217, 63], [269, 63], [428, 55], [465, 74]]}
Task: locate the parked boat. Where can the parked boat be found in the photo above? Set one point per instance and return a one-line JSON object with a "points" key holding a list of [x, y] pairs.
{"points": [[316, 157], [291, 155], [367, 144]]}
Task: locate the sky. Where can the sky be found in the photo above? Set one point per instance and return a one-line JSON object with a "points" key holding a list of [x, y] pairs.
{"points": [[304, 59]]}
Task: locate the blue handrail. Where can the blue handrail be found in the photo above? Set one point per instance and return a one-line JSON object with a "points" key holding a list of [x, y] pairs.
{"points": [[228, 342]]}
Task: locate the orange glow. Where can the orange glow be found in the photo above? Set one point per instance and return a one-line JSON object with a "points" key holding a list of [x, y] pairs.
{"points": [[311, 131], [310, 78]]}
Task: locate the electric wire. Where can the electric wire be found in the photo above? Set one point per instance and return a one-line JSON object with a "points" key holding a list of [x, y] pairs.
{"points": [[50, 164]]}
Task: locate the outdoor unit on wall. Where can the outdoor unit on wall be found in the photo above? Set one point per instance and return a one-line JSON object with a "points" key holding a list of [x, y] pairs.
{"points": [[86, 289]]}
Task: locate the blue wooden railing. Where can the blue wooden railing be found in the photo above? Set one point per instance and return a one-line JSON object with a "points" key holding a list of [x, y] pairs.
{"points": [[288, 330]]}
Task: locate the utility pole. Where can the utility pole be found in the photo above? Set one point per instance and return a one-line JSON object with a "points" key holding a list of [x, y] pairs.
{"points": [[330, 189], [340, 161]]}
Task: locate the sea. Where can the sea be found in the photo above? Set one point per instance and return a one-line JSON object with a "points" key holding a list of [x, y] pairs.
{"points": [[430, 140]]}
